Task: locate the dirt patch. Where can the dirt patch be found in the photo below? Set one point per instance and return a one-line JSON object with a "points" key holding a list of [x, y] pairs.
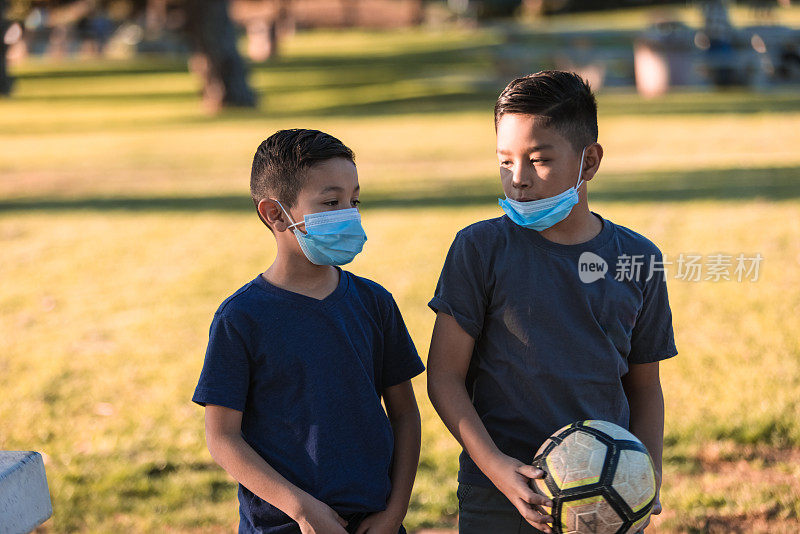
{"points": [[736, 477], [718, 454]]}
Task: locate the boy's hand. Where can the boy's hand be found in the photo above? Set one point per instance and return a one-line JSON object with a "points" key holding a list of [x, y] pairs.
{"points": [[380, 523], [657, 505], [512, 478], [656, 508], [319, 518]]}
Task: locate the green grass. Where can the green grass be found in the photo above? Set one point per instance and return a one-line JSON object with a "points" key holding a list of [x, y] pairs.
{"points": [[124, 221]]}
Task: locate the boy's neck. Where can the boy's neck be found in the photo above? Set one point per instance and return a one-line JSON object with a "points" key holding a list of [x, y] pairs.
{"points": [[298, 275], [580, 226]]}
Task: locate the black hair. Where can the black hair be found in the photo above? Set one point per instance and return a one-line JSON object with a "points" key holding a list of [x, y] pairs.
{"points": [[281, 160], [560, 100]]}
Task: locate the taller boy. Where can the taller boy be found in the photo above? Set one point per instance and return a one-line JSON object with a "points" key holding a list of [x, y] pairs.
{"points": [[523, 346]]}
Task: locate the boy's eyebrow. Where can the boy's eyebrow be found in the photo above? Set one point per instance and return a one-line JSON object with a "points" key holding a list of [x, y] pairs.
{"points": [[335, 189], [531, 149]]}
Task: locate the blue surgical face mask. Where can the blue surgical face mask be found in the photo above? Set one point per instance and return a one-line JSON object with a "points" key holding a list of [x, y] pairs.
{"points": [[542, 214], [331, 237]]}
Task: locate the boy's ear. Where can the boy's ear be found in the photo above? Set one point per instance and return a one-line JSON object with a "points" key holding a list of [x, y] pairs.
{"points": [[591, 161], [272, 214]]}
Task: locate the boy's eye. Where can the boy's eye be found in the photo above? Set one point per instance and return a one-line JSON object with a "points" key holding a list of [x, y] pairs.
{"points": [[505, 163], [538, 160], [331, 203], [355, 202]]}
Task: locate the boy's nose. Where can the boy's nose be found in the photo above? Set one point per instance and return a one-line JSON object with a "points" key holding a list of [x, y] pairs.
{"points": [[521, 178]]}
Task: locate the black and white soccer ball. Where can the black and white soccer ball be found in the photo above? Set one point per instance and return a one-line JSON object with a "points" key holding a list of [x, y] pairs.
{"points": [[600, 478]]}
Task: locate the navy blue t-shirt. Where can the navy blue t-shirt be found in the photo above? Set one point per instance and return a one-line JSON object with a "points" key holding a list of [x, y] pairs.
{"points": [[308, 376], [553, 335]]}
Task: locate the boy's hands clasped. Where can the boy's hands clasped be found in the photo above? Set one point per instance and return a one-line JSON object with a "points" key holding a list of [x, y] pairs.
{"points": [[512, 478], [317, 517], [380, 523]]}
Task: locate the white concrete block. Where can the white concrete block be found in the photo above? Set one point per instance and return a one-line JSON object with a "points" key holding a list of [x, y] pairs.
{"points": [[24, 497]]}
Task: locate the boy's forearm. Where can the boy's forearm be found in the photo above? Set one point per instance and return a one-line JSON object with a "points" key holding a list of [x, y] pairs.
{"points": [[245, 465], [407, 441], [647, 420], [451, 401]]}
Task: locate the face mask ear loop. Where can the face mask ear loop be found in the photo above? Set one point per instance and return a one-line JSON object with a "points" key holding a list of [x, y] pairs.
{"points": [[580, 171], [294, 224]]}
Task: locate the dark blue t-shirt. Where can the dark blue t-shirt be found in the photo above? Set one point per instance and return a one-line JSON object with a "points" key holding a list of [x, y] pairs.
{"points": [[553, 338], [308, 376]]}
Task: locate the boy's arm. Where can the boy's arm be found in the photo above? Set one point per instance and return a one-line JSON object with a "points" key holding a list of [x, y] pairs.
{"points": [[401, 407], [642, 387], [448, 362], [242, 462]]}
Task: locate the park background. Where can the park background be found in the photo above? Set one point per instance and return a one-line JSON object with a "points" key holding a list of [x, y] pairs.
{"points": [[125, 221]]}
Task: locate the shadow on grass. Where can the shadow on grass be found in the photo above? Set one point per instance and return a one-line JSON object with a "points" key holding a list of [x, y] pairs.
{"points": [[108, 68], [774, 183], [451, 101], [403, 63], [477, 64], [320, 73]]}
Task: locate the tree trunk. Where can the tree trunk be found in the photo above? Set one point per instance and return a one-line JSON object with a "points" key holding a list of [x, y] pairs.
{"points": [[351, 15], [216, 60], [5, 79]]}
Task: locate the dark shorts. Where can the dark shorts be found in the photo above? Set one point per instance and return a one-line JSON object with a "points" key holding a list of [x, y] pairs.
{"points": [[291, 527], [354, 520], [483, 510]]}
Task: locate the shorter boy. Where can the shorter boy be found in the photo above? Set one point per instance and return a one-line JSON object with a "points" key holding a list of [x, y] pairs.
{"points": [[299, 359]]}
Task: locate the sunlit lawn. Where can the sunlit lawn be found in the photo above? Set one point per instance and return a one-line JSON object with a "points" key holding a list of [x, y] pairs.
{"points": [[125, 220]]}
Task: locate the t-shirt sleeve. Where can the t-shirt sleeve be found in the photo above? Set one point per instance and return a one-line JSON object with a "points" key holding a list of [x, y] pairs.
{"points": [[226, 371], [652, 338], [401, 361], [461, 290]]}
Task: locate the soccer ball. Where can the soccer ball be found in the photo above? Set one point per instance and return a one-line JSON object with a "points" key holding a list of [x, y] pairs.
{"points": [[599, 477]]}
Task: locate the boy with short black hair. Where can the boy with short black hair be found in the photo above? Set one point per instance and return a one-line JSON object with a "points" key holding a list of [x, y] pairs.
{"points": [[524, 342], [299, 359]]}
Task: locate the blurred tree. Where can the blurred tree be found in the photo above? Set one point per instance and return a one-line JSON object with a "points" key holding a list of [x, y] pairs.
{"points": [[5, 80], [216, 58], [209, 32]]}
